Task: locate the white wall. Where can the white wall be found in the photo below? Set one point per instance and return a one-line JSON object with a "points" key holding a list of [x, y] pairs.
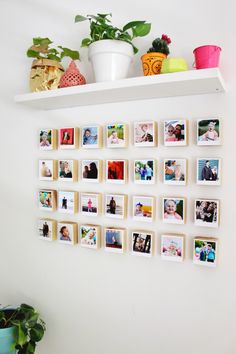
{"points": [[94, 302]]}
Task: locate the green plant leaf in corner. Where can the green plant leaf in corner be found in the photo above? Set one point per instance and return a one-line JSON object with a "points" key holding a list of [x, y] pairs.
{"points": [[41, 41], [142, 30], [132, 24], [85, 42], [32, 54], [36, 333], [30, 348], [80, 18], [66, 52]]}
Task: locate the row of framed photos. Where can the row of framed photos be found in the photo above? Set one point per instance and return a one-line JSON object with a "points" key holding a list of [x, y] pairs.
{"points": [[143, 171], [206, 211], [116, 135], [140, 243]]}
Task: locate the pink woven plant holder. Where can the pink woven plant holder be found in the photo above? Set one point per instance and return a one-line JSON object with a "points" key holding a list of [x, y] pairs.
{"points": [[72, 77]]}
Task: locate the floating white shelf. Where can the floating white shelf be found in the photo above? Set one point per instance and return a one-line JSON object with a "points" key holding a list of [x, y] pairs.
{"points": [[194, 82]]}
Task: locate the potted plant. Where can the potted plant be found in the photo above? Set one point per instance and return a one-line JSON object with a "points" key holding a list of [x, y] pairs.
{"points": [[46, 69], [20, 329], [152, 60], [111, 49]]}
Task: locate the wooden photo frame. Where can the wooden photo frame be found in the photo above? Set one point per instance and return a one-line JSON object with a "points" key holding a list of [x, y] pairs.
{"points": [[176, 132], [68, 138], [47, 229], [173, 210], [206, 212], [90, 236], [145, 134], [47, 170], [144, 171], [142, 243], [172, 247], [47, 139], [175, 172], [67, 202], [116, 135], [116, 171], [114, 239], [143, 208], [47, 199], [209, 132], [91, 137], [67, 232], [115, 205], [205, 251], [90, 204], [209, 171], [68, 170]]}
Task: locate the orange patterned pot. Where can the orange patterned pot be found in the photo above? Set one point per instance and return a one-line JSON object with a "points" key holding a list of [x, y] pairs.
{"points": [[152, 63]]}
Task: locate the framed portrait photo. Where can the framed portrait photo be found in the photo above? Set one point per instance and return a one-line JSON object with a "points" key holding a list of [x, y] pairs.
{"points": [[143, 208], [116, 171], [47, 139], [89, 236], [145, 134], [67, 232], [209, 131], [91, 137], [206, 212], [142, 243], [173, 210], [91, 171], [47, 229], [144, 171], [67, 170], [47, 170], [115, 206], [114, 239], [67, 202], [175, 132], [205, 251], [172, 248], [175, 172], [116, 135], [90, 204], [209, 171], [47, 199], [68, 138]]}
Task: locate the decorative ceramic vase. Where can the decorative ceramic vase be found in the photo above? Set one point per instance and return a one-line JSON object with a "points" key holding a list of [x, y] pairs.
{"points": [[72, 77], [45, 75], [7, 338], [152, 63]]}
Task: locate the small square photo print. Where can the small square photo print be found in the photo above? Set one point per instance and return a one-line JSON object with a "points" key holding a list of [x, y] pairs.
{"points": [[116, 171], [68, 202], [205, 251], [91, 137], [47, 229], [47, 170], [206, 212], [47, 200], [47, 139], [90, 170], [143, 208], [115, 206], [144, 171], [90, 236], [116, 135], [68, 138], [114, 239], [209, 132], [173, 210], [172, 247], [67, 170], [67, 232], [142, 243], [209, 171], [175, 132], [90, 204], [145, 134], [175, 172]]}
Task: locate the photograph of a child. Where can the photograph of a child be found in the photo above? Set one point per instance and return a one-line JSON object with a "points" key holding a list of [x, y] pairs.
{"points": [[173, 210], [114, 240], [208, 132], [145, 133], [208, 171], [90, 137], [175, 133], [67, 202], [143, 208], [175, 172], [205, 251], [67, 138], [89, 236], [116, 135], [144, 171], [172, 248], [115, 206], [206, 213], [90, 170], [45, 139], [46, 200], [116, 171], [46, 170], [89, 204], [66, 233], [142, 243], [46, 229], [65, 170]]}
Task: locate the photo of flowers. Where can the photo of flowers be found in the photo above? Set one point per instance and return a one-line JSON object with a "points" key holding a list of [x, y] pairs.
{"points": [[175, 172], [116, 171], [47, 139], [205, 251], [145, 134], [209, 171], [90, 236], [67, 170], [173, 210], [115, 206], [175, 133], [91, 137], [47, 229], [143, 208], [209, 132], [90, 204], [116, 135], [206, 212], [172, 247], [47, 170], [67, 232], [67, 202], [47, 200], [68, 138], [114, 239], [144, 171], [90, 170], [142, 243]]}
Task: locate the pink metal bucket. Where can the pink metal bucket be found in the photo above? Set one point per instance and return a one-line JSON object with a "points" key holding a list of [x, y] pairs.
{"points": [[207, 56]]}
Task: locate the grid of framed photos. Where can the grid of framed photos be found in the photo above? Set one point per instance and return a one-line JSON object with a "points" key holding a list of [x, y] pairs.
{"points": [[139, 207]]}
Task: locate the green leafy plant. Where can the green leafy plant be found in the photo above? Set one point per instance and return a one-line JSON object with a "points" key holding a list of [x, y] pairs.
{"points": [[41, 49], [160, 45], [29, 327], [101, 28]]}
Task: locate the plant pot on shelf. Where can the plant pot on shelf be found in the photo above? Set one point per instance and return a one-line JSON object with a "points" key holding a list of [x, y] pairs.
{"points": [[110, 59], [7, 339], [45, 75], [207, 56], [152, 63]]}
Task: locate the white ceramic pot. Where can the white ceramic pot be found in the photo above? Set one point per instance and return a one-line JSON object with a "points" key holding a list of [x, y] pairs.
{"points": [[110, 59]]}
